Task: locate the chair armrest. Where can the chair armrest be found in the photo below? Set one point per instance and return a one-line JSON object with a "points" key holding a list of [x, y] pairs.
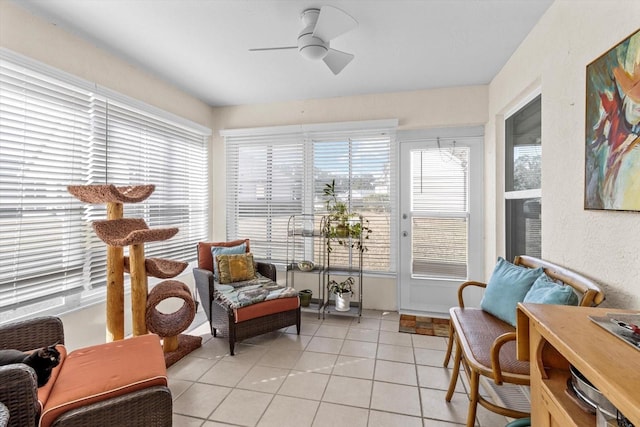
{"points": [[267, 270], [151, 406], [33, 333], [495, 354], [205, 286], [465, 285], [19, 393]]}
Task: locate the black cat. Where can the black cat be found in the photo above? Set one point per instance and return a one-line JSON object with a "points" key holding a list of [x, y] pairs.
{"points": [[42, 361]]}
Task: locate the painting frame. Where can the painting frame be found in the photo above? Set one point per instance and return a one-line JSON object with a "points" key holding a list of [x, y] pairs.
{"points": [[612, 128]]}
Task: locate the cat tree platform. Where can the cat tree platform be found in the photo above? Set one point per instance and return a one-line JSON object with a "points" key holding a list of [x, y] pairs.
{"points": [[109, 193], [130, 231], [160, 268]]}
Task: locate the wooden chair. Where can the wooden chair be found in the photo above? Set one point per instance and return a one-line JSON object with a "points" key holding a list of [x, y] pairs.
{"points": [[485, 345]]}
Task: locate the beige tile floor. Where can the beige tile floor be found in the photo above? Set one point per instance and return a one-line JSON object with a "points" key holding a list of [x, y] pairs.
{"points": [[337, 372]]}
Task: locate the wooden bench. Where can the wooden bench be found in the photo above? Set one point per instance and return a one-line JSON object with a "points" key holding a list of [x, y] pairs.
{"points": [[485, 345]]}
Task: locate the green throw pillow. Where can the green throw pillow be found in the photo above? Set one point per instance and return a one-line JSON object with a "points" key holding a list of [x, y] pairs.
{"points": [[507, 287], [546, 291]]}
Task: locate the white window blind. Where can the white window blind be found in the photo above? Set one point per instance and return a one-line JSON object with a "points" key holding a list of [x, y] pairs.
{"points": [[265, 186], [56, 131], [440, 206], [45, 133], [273, 175], [144, 149], [361, 168]]}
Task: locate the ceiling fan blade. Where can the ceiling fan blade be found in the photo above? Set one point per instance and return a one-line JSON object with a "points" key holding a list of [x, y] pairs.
{"points": [[259, 49], [337, 60], [333, 22]]}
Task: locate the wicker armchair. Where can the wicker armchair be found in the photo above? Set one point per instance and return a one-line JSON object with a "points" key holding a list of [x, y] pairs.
{"points": [[222, 319], [19, 391]]}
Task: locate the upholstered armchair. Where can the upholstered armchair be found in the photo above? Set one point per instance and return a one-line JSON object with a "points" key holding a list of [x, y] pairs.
{"points": [[241, 323], [148, 403]]}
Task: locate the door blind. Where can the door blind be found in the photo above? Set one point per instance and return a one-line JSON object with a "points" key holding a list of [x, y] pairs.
{"points": [[440, 212]]}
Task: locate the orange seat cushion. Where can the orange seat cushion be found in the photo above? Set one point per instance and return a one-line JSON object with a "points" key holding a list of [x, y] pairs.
{"points": [[103, 371], [264, 308]]}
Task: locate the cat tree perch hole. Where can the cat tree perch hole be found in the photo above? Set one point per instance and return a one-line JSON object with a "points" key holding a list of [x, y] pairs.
{"points": [[169, 325]]}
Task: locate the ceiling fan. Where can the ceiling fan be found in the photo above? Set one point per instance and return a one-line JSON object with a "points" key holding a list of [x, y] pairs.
{"points": [[320, 27]]}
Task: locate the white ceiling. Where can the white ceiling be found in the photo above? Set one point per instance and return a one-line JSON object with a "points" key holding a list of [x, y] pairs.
{"points": [[201, 46]]}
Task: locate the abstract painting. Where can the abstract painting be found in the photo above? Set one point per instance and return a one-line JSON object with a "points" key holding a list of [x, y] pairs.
{"points": [[612, 161]]}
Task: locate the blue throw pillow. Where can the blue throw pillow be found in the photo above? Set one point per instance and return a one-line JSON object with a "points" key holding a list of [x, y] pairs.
{"points": [[507, 287], [225, 250], [546, 291]]}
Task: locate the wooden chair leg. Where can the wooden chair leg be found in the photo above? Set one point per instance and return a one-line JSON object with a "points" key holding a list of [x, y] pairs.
{"points": [[454, 374], [298, 317], [447, 356], [474, 379]]}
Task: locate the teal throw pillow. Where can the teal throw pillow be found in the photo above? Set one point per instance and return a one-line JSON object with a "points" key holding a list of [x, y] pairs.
{"points": [[225, 250], [507, 287], [545, 291]]}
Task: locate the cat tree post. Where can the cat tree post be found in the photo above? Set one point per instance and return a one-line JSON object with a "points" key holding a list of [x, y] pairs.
{"points": [[139, 288], [115, 282]]}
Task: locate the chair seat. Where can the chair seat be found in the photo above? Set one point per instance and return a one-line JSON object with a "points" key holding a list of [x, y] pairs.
{"points": [[480, 329], [266, 308]]}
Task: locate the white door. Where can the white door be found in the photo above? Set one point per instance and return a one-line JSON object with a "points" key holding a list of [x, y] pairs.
{"points": [[441, 224]]}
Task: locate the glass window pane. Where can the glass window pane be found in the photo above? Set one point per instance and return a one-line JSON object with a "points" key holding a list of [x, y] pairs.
{"points": [[523, 148], [524, 227], [439, 247], [439, 179], [439, 205]]}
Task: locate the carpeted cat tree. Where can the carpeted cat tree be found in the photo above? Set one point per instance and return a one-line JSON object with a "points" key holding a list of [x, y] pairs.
{"points": [[118, 232]]}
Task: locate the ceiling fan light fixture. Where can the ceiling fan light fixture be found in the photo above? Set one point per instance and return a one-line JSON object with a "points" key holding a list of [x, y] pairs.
{"points": [[313, 52], [311, 47]]}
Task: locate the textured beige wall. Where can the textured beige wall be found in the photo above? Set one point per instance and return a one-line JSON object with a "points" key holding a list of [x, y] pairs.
{"points": [[601, 245]]}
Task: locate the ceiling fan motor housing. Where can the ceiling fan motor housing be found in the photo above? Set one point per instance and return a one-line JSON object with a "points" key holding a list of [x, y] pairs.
{"points": [[311, 47]]}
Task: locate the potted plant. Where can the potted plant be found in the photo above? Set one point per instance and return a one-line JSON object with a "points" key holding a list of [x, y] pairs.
{"points": [[343, 292], [343, 226]]}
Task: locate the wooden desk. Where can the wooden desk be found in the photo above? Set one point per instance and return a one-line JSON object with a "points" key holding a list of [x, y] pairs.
{"points": [[552, 337]]}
